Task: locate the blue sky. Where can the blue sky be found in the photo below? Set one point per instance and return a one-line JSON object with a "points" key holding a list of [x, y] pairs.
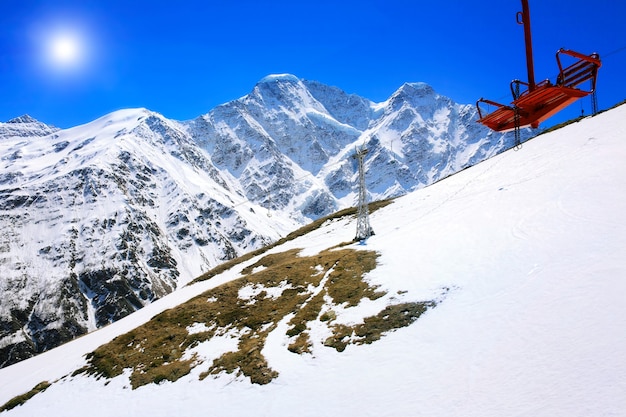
{"points": [[183, 58]]}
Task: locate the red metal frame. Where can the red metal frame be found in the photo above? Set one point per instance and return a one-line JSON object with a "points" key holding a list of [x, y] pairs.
{"points": [[538, 102]]}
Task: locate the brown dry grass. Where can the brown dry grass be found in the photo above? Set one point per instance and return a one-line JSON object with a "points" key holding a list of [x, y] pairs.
{"points": [[154, 352], [21, 399], [372, 329]]}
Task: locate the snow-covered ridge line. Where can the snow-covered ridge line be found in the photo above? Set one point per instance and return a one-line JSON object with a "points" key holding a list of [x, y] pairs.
{"points": [[99, 220]]}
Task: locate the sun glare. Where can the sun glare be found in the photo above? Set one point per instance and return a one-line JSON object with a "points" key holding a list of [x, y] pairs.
{"points": [[65, 50]]}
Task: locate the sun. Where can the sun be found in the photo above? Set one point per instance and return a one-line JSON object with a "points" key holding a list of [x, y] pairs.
{"points": [[65, 50]]}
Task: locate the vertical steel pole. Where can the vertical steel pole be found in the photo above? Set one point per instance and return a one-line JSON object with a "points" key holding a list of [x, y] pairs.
{"points": [[525, 16], [363, 228]]}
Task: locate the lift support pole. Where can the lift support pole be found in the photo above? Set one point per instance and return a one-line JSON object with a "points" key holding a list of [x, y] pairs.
{"points": [[523, 18]]}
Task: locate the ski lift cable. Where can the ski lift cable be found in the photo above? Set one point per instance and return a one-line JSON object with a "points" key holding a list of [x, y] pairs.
{"points": [[618, 50]]}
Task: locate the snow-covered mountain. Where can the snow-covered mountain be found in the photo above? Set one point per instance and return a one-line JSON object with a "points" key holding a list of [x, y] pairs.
{"points": [[289, 142], [519, 259], [99, 220]]}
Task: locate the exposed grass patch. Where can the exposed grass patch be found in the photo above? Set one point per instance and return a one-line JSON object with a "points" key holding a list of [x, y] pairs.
{"points": [[154, 351], [391, 318], [21, 399], [247, 360], [251, 307], [346, 285], [302, 344]]}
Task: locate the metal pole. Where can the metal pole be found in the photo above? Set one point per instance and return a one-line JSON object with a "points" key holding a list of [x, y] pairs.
{"points": [[524, 15], [363, 228]]}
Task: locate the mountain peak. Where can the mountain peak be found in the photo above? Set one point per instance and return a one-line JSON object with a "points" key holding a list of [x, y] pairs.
{"points": [[418, 95], [417, 88], [280, 77], [24, 126], [24, 119], [286, 90]]}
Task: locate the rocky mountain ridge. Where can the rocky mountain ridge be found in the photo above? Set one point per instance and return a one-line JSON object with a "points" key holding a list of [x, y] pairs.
{"points": [[101, 219]]}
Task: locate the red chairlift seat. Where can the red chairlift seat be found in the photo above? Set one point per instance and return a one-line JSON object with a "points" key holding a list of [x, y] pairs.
{"points": [[538, 102], [546, 99]]}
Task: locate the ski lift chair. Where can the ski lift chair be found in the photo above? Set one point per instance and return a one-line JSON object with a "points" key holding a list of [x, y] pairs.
{"points": [[533, 103]]}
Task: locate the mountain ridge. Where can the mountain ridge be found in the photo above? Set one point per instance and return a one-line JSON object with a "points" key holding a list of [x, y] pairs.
{"points": [[120, 211]]}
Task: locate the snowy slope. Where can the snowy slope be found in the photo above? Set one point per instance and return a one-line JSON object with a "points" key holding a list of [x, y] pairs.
{"points": [[531, 246]]}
